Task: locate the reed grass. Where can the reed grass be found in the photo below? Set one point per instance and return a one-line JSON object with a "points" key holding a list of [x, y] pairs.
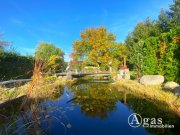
{"points": [[155, 93], [41, 87], [7, 94]]}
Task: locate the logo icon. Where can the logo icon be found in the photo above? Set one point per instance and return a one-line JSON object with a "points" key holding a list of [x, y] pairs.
{"points": [[135, 120]]}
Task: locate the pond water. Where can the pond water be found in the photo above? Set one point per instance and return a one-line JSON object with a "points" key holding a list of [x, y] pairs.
{"points": [[86, 109]]}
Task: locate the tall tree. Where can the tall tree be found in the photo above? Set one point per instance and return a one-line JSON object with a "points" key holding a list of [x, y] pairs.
{"points": [[154, 47], [135, 44], [45, 51], [150, 51], [174, 13], [163, 22], [95, 47]]}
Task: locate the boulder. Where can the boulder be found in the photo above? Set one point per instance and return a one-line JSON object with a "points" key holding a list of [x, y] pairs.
{"points": [[170, 85], [152, 79], [177, 91]]}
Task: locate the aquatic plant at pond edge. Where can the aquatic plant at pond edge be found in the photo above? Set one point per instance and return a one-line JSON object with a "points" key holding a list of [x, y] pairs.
{"points": [[155, 93]]}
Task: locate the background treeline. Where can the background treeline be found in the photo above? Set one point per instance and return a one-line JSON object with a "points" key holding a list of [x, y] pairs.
{"points": [[154, 46], [15, 66]]}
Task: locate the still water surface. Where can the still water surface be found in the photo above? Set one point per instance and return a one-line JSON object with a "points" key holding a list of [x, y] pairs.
{"points": [[88, 109]]}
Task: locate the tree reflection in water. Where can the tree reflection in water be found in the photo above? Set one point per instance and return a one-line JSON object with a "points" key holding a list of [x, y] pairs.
{"points": [[96, 100], [99, 100]]}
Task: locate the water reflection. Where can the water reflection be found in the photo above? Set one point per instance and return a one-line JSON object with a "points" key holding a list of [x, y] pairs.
{"points": [[28, 116], [99, 100], [151, 109], [67, 111], [95, 100]]}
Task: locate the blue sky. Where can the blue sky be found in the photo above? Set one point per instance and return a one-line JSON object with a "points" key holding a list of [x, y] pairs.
{"points": [[28, 22]]}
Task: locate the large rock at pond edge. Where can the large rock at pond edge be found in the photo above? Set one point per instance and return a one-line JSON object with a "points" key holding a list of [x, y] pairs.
{"points": [[152, 79], [170, 85], [177, 90]]}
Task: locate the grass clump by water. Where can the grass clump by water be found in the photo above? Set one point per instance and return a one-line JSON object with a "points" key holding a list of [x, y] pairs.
{"points": [[43, 89], [12, 93], [155, 93], [40, 87]]}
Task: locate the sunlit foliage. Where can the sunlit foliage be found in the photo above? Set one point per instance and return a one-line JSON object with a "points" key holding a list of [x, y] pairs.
{"points": [[154, 46], [97, 47]]}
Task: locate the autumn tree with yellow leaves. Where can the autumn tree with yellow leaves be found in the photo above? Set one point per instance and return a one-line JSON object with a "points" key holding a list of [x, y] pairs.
{"points": [[55, 62], [97, 47]]}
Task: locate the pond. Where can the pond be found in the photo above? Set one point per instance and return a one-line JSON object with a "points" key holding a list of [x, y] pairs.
{"points": [[86, 108]]}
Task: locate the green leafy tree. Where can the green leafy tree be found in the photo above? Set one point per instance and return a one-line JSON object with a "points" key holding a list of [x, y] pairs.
{"points": [[150, 60], [174, 14], [45, 51], [119, 53], [154, 47], [168, 63], [163, 22], [176, 41], [135, 44]]}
